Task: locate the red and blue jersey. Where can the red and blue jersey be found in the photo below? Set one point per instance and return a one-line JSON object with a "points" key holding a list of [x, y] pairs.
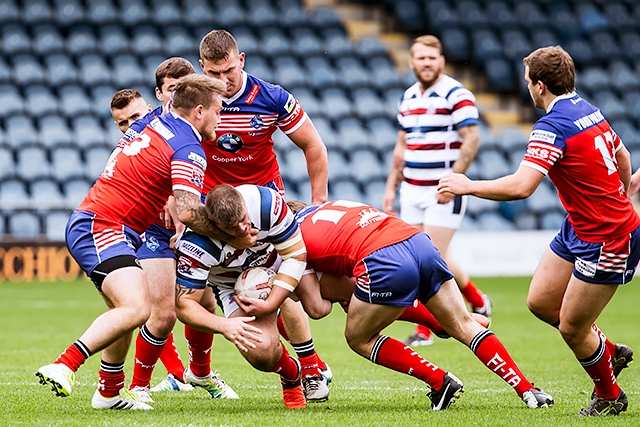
{"points": [[138, 126], [574, 144], [243, 150], [141, 175]]}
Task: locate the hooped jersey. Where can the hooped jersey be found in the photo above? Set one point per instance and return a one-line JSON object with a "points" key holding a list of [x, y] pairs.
{"points": [[200, 257], [574, 144], [243, 150], [341, 233], [431, 120], [138, 179]]}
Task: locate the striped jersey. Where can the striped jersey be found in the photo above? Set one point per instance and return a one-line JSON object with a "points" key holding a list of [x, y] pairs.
{"points": [[144, 172], [200, 257], [574, 144], [243, 150], [431, 120]]}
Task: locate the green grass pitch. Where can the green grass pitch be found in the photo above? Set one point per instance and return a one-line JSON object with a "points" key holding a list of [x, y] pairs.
{"points": [[38, 320]]}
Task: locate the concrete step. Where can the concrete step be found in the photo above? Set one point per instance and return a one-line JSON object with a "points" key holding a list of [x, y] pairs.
{"points": [[499, 118]]}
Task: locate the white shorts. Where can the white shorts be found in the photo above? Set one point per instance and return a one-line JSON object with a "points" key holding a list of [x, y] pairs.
{"points": [[418, 205], [224, 296]]}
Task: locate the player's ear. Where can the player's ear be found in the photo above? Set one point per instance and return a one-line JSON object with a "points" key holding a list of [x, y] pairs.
{"points": [[241, 59], [158, 95]]}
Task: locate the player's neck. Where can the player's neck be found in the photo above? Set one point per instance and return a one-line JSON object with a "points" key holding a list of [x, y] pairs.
{"points": [[424, 86]]}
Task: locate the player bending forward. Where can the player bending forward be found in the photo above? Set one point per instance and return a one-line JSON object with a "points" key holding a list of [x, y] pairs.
{"points": [[208, 268], [394, 264]]}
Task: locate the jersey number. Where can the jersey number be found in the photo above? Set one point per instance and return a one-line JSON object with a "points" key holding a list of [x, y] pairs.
{"points": [[333, 215], [605, 146]]}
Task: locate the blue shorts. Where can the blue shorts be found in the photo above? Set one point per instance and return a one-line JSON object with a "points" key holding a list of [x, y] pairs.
{"points": [[92, 241], [399, 274], [610, 263], [156, 241]]}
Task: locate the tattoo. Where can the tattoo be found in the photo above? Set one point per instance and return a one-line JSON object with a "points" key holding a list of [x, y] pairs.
{"points": [[181, 291], [470, 144], [193, 215]]}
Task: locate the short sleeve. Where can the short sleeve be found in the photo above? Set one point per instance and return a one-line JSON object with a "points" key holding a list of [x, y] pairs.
{"points": [[188, 165], [546, 145]]}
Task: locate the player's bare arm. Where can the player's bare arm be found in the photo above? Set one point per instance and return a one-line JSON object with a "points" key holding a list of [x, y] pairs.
{"points": [[395, 174], [470, 144], [623, 159], [307, 138], [308, 292], [518, 185]]}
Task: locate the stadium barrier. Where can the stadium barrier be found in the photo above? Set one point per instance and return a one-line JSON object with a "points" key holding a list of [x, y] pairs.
{"points": [[34, 261]]}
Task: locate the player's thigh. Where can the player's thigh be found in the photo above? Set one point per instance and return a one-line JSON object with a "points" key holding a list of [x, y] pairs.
{"points": [[440, 237], [549, 284], [127, 286], [365, 320], [336, 288], [583, 302], [449, 309], [161, 277]]}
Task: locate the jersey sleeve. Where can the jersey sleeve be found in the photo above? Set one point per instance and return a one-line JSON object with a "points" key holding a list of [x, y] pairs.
{"points": [[188, 165], [138, 126], [463, 107], [290, 113], [196, 255], [283, 224], [546, 145]]}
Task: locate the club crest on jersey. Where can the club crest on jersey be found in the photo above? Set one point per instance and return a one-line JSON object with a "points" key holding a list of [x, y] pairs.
{"points": [[256, 122], [184, 264], [197, 177], [230, 142], [152, 243]]}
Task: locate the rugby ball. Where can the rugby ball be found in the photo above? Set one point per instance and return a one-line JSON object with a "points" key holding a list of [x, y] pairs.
{"points": [[255, 283]]}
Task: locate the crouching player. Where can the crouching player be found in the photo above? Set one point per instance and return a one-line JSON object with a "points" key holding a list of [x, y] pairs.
{"points": [[394, 264], [208, 268]]}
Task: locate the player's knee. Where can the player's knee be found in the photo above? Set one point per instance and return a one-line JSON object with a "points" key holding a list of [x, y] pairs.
{"points": [[162, 322], [356, 342], [264, 356]]}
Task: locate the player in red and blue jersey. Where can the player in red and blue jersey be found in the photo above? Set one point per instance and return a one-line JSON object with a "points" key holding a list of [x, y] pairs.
{"points": [[394, 264], [103, 233], [598, 247], [243, 153]]}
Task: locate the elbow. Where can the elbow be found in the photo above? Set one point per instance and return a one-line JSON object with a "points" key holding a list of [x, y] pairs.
{"points": [[522, 193]]}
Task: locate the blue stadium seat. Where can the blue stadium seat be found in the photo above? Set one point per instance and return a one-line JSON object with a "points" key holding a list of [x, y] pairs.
{"points": [[492, 221], [527, 220], [472, 15], [81, 40], [146, 40], [620, 16], [630, 45], [564, 21], [552, 220], [60, 70], [178, 41], [197, 12], [21, 132], [232, 15], [15, 40], [7, 164], [544, 37], [296, 170], [477, 206], [262, 14], [128, 71], [501, 15], [88, 132], [27, 70], [632, 105], [9, 12], [101, 12], [259, 67], [133, 12], [383, 73], [46, 194], [54, 225], [13, 194], [592, 20], [500, 75], [384, 133], [441, 16], [594, 79], [54, 131], [309, 102], [324, 17], [336, 104], [41, 101], [605, 47], [101, 100], [493, 164], [66, 164], [339, 167], [307, 42], [24, 224], [366, 166], [75, 191], [47, 40], [486, 45], [346, 190], [68, 12], [288, 73], [247, 41], [11, 101], [516, 44], [456, 45], [374, 193], [353, 73], [581, 52], [293, 16], [352, 134], [5, 71], [623, 78], [327, 133], [94, 71], [545, 198], [27, 158], [166, 12], [274, 42], [322, 75], [336, 43], [369, 47], [113, 40], [529, 15], [610, 104], [409, 16], [74, 100], [96, 159], [625, 130], [368, 105], [510, 210]]}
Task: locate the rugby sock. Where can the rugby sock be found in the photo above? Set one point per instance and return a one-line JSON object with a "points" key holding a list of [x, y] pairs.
{"points": [[419, 314], [392, 354], [488, 348], [111, 379], [286, 366], [281, 330], [74, 356], [170, 358], [148, 350], [472, 295], [308, 358], [199, 344], [598, 366], [610, 346]]}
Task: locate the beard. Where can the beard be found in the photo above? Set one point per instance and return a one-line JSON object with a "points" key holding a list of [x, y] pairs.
{"points": [[433, 76]]}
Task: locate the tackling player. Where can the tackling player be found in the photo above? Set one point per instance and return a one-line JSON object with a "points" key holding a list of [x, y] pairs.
{"points": [[598, 246]]}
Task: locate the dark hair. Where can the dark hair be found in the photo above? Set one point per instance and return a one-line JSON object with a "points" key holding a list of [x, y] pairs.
{"points": [[224, 206], [552, 66], [173, 68], [123, 97], [194, 90], [217, 46], [428, 40]]}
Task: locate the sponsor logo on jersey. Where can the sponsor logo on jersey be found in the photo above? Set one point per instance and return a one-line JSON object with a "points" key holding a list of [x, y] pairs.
{"points": [[369, 216], [252, 95], [198, 159], [587, 268], [191, 249], [152, 243], [538, 153], [256, 122], [291, 102], [197, 177], [230, 142], [277, 205], [184, 264], [542, 136], [589, 120], [231, 109], [159, 127]]}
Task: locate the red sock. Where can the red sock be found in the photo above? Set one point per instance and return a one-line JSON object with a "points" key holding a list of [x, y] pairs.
{"points": [[281, 330], [598, 366], [310, 365], [110, 378], [170, 358], [488, 348], [472, 295], [610, 346], [286, 366], [74, 356], [421, 315], [199, 344], [148, 350], [392, 354]]}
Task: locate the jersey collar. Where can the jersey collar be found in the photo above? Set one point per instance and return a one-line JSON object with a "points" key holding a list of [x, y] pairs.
{"points": [[560, 98], [240, 92], [187, 122]]}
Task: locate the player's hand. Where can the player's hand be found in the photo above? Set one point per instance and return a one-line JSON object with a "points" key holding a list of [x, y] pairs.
{"points": [[444, 198], [455, 184], [173, 242], [388, 201], [241, 333], [254, 306], [246, 241]]}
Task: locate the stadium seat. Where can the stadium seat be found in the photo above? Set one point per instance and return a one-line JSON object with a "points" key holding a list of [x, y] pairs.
{"points": [[178, 41], [591, 19], [96, 160], [21, 132], [472, 15], [485, 46], [321, 75], [197, 12], [11, 101], [383, 73], [27, 158], [94, 71], [339, 167], [352, 134], [327, 132], [166, 12], [133, 12], [75, 191], [456, 45], [47, 40], [544, 199], [544, 37], [288, 73], [74, 100], [623, 78], [610, 104], [477, 206], [55, 224], [513, 139], [336, 43], [441, 16], [307, 42], [274, 42], [564, 21], [352, 73], [374, 193], [54, 131], [262, 14], [293, 16], [113, 39], [491, 221], [128, 71], [24, 225], [45, 195], [516, 44], [232, 15], [60, 70], [324, 17], [13, 195], [500, 75], [632, 105], [296, 170], [309, 102], [81, 40], [66, 164], [7, 164], [630, 45], [620, 17], [605, 47], [384, 134], [510, 210], [368, 105], [366, 166], [409, 16], [101, 12], [526, 221], [369, 47], [336, 104], [68, 12], [146, 40], [88, 132], [101, 100], [552, 220], [594, 79], [493, 164], [346, 190], [582, 53], [5, 71], [15, 40], [27, 70]]}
